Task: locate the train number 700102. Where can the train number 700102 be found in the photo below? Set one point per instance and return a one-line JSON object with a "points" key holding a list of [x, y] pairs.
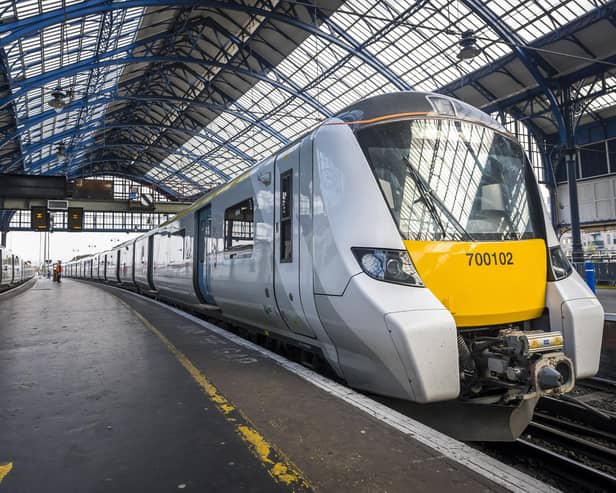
{"points": [[490, 258]]}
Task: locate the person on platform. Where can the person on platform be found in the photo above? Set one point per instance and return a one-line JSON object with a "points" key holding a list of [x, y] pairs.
{"points": [[58, 270]]}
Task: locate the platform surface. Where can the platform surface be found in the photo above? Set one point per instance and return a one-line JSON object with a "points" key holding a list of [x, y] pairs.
{"points": [[607, 297], [607, 367], [104, 391]]}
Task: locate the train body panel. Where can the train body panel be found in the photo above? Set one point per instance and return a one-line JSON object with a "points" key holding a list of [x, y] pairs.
{"points": [[111, 266], [172, 260], [575, 311], [6, 267], [13, 269], [17, 274], [126, 273], [241, 251], [375, 355], [143, 261]]}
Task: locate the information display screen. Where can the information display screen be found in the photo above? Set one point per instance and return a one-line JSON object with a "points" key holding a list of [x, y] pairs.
{"points": [[40, 218]]}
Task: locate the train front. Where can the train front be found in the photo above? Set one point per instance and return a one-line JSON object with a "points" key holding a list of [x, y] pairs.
{"points": [[466, 203]]}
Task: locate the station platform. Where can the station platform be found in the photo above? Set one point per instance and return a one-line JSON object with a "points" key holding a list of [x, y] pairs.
{"points": [[104, 390]]}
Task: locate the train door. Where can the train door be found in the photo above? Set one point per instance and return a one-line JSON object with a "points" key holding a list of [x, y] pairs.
{"points": [[286, 242], [204, 258], [150, 265]]}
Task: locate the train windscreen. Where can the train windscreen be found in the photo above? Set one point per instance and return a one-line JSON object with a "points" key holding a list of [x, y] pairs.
{"points": [[452, 180]]}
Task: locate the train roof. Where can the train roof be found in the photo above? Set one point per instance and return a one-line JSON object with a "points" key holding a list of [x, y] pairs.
{"points": [[414, 103]]}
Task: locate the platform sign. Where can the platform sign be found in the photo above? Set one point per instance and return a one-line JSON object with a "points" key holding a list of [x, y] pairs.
{"points": [[75, 218], [39, 218]]}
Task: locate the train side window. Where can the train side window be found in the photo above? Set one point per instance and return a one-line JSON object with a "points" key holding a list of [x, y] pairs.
{"points": [[286, 216], [239, 227], [177, 242]]}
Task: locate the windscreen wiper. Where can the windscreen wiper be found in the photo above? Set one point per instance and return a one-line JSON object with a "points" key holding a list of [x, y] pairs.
{"points": [[429, 198]]}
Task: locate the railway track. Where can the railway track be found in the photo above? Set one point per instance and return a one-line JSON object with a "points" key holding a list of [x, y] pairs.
{"points": [[572, 472], [573, 441], [600, 384]]}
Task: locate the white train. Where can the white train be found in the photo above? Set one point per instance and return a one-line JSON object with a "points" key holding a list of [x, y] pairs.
{"points": [[404, 241], [13, 269]]}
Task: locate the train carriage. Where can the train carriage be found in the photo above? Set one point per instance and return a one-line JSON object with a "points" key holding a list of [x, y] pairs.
{"points": [[406, 242]]}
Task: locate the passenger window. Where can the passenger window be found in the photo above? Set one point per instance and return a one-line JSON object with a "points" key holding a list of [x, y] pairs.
{"points": [[286, 216], [177, 243], [239, 227]]}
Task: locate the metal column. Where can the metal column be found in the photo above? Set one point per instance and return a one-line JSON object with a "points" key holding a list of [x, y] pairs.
{"points": [[576, 236]]}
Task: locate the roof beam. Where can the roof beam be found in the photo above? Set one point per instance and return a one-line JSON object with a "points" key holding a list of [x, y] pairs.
{"points": [[23, 28], [529, 60], [593, 70], [71, 173], [124, 145], [103, 60], [105, 98]]}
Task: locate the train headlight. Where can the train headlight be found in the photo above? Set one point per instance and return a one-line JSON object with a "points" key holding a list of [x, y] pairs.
{"points": [[388, 265], [561, 267]]}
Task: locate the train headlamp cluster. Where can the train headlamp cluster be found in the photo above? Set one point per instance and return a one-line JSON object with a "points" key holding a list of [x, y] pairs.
{"points": [[388, 265], [561, 267]]}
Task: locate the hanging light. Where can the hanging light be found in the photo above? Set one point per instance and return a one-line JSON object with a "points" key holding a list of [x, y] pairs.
{"points": [[468, 46], [57, 103], [61, 152]]}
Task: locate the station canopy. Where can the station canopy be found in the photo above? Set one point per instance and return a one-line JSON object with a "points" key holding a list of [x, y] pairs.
{"points": [[184, 95]]}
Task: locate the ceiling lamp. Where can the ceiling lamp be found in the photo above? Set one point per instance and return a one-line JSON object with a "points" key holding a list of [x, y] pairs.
{"points": [[58, 103], [468, 46], [61, 152]]}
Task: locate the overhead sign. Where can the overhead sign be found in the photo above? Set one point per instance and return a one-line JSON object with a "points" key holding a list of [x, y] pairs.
{"points": [[33, 187], [93, 189], [39, 218], [57, 205], [75, 218]]}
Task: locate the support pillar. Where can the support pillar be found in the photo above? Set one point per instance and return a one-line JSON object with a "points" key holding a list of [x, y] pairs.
{"points": [[3, 238], [574, 206]]}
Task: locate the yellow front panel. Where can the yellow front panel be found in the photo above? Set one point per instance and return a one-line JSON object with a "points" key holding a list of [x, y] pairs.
{"points": [[484, 283]]}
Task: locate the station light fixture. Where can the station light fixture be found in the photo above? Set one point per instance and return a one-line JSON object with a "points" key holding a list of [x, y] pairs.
{"points": [[57, 103], [468, 46], [59, 96], [61, 152]]}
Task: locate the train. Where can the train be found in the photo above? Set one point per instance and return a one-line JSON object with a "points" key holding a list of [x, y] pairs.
{"points": [[403, 241], [13, 269]]}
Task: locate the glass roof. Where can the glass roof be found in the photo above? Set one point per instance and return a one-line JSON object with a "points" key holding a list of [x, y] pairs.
{"points": [[405, 44], [51, 49]]}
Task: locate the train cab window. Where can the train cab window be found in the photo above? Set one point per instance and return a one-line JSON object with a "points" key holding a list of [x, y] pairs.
{"points": [[286, 216], [239, 227]]}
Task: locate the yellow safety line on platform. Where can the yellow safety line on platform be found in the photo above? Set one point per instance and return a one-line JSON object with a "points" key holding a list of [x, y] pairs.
{"points": [[280, 468], [5, 469]]}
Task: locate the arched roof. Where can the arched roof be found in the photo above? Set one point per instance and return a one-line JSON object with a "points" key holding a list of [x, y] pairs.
{"points": [[187, 94]]}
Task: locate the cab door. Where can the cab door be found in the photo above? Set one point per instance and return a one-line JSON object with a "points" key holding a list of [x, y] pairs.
{"points": [[286, 242], [204, 267]]}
